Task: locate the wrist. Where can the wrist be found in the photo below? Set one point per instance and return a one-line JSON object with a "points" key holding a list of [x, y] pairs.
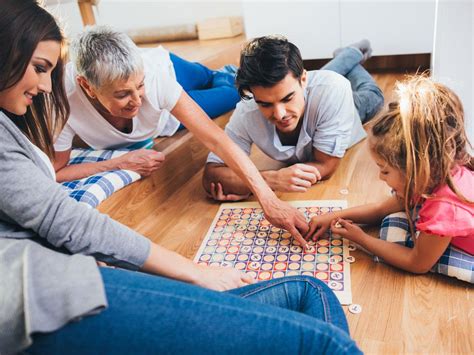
{"points": [[270, 176]]}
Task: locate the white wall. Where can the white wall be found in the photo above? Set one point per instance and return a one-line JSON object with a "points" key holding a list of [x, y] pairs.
{"points": [[136, 14], [454, 53]]}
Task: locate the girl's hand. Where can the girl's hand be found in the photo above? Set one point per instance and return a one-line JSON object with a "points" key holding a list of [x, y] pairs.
{"points": [[221, 278], [318, 225], [347, 230]]}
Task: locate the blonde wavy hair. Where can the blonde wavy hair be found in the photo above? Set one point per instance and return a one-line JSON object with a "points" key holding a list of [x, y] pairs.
{"points": [[422, 134]]}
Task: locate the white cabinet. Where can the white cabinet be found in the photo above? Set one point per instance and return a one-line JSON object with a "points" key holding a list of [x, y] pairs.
{"points": [[313, 26], [393, 27], [318, 27]]}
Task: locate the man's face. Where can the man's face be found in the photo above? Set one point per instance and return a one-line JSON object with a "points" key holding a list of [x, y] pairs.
{"points": [[282, 104]]}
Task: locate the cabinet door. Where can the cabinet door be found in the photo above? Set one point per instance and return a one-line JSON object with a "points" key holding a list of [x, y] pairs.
{"points": [[313, 26], [393, 27]]}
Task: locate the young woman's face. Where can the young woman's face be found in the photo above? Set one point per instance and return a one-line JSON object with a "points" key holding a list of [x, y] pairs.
{"points": [[36, 80], [123, 98], [392, 177]]}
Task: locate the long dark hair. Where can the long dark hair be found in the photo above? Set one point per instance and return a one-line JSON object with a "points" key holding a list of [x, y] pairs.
{"points": [[23, 24]]}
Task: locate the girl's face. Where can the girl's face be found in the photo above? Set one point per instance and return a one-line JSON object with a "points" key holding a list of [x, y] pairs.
{"points": [[36, 80], [392, 177]]}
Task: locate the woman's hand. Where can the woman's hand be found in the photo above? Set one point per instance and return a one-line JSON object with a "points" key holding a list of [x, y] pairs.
{"points": [[283, 215], [221, 278], [347, 230], [142, 161]]}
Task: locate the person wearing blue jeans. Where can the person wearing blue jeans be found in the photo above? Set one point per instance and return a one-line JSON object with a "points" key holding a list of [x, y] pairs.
{"points": [[214, 91], [303, 119], [152, 315], [347, 61]]}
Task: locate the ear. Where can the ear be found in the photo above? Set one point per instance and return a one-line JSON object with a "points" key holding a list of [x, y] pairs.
{"points": [[88, 88], [304, 79]]}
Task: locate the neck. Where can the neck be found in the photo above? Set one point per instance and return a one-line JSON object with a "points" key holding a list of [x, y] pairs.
{"points": [[291, 138]]}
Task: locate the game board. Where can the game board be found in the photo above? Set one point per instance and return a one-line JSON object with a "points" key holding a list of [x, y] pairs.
{"points": [[241, 237]]}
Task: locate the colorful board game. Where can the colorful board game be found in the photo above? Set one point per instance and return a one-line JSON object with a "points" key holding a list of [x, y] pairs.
{"points": [[241, 237]]}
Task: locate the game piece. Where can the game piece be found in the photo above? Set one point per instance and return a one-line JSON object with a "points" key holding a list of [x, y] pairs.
{"points": [[355, 308], [350, 259], [352, 247], [344, 191], [242, 238], [338, 225]]}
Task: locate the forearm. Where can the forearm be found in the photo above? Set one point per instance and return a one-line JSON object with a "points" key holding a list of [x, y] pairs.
{"points": [[325, 169], [394, 254], [79, 171], [230, 181], [219, 143], [372, 213], [170, 264], [365, 214]]}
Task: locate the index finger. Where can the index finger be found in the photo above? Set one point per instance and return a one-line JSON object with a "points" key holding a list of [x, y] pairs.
{"points": [[296, 234]]}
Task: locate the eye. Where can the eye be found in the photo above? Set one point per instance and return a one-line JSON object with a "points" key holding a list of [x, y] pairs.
{"points": [[40, 69], [383, 172], [288, 99], [265, 105]]}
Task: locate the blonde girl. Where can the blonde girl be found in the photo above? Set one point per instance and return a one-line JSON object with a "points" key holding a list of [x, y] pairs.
{"points": [[420, 147]]}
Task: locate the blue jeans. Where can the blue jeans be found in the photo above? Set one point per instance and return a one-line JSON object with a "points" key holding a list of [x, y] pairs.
{"points": [[155, 315], [368, 98], [213, 91]]}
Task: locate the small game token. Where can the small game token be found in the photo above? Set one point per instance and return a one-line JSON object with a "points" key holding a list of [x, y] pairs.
{"points": [[338, 225], [355, 308], [344, 191], [350, 259], [352, 247]]}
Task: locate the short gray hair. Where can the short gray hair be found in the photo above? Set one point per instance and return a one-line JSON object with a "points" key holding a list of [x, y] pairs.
{"points": [[103, 55]]}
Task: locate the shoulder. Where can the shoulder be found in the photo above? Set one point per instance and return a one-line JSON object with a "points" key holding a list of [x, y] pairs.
{"points": [[328, 78], [246, 114], [444, 212]]}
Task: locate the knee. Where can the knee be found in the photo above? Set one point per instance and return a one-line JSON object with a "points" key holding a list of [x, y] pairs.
{"points": [[395, 227]]}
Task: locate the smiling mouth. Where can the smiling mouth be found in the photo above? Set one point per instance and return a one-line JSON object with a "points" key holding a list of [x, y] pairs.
{"points": [[29, 95]]}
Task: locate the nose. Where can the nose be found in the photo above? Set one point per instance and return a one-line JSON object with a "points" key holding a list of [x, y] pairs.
{"points": [[137, 98], [280, 112], [44, 85]]}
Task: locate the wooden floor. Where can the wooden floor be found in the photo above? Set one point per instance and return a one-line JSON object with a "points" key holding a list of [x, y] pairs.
{"points": [[402, 313]]}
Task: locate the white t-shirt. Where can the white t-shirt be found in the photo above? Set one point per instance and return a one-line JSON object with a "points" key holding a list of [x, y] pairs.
{"points": [[45, 159], [162, 91], [331, 123]]}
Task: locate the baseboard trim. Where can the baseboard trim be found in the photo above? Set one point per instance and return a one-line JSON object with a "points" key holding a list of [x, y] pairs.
{"points": [[394, 63]]}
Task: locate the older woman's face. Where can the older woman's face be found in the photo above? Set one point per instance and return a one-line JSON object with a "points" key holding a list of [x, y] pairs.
{"points": [[123, 98]]}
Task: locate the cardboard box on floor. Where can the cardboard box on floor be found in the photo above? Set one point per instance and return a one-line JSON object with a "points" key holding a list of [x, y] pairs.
{"points": [[220, 27]]}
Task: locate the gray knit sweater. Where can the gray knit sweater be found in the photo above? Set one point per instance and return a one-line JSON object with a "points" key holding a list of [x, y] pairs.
{"points": [[42, 288]]}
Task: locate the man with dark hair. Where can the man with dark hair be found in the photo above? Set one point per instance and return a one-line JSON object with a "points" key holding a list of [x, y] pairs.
{"points": [[305, 120]]}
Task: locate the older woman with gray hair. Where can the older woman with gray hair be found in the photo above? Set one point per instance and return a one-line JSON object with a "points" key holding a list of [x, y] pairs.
{"points": [[120, 96]]}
